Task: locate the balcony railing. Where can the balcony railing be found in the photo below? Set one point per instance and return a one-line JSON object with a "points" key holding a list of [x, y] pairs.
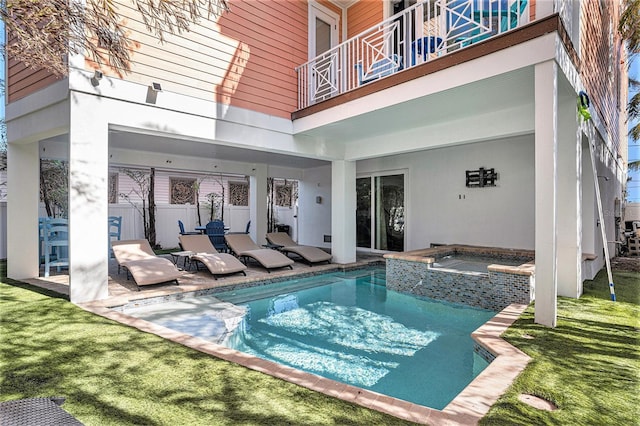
{"points": [[419, 34]]}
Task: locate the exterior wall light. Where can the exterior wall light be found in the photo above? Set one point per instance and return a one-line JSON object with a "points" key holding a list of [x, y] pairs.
{"points": [[95, 79]]}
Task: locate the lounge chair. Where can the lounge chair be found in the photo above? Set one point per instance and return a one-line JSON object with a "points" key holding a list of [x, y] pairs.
{"points": [[244, 247], [206, 254], [137, 257], [310, 254]]}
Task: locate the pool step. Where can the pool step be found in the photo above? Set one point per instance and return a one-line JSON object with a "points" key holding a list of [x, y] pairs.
{"points": [[271, 290]]}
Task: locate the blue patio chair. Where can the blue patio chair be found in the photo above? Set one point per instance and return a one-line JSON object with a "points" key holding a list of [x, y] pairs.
{"points": [[115, 228], [378, 69], [183, 232], [55, 244], [215, 231], [507, 18], [422, 47]]}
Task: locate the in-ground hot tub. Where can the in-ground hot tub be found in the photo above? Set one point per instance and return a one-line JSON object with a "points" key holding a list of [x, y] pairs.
{"points": [[485, 277]]}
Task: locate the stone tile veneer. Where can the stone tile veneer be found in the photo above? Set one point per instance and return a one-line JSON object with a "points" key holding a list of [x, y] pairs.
{"points": [[412, 272]]}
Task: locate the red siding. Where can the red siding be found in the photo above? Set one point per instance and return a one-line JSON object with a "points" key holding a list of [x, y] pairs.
{"points": [[363, 15], [23, 81], [275, 35]]}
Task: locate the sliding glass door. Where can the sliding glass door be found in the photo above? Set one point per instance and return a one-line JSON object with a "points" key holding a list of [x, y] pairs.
{"points": [[380, 212]]}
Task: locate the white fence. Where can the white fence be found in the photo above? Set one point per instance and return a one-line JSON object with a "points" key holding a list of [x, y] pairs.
{"points": [[167, 216]]}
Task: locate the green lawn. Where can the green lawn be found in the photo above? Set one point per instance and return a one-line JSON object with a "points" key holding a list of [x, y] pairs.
{"points": [[112, 374], [589, 365]]}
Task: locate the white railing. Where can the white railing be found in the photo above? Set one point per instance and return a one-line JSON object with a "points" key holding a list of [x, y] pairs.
{"points": [[419, 34]]}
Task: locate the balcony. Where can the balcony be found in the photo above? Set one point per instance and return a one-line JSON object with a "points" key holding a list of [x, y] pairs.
{"points": [[426, 31]]}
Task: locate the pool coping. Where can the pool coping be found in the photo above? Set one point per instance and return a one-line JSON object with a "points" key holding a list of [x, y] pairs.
{"points": [[468, 407]]}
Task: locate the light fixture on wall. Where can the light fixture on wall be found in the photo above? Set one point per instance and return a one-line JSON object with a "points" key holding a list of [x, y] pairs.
{"points": [[152, 92], [95, 79], [604, 177]]}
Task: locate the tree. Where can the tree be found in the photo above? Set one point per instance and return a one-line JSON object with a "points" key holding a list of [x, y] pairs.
{"points": [[54, 187], [629, 27], [144, 190], [43, 33]]}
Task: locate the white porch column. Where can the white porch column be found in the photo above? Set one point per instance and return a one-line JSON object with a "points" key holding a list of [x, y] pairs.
{"points": [[546, 191], [23, 195], [343, 211], [569, 198], [88, 200], [258, 204], [589, 210]]}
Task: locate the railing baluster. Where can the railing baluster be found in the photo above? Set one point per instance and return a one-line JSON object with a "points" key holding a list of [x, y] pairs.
{"points": [[416, 35]]}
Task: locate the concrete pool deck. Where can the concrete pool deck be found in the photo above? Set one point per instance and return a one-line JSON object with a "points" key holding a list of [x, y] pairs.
{"points": [[466, 409]]}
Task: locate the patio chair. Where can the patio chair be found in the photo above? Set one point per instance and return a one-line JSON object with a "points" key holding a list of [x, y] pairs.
{"points": [[115, 228], [244, 247], [378, 69], [310, 254], [55, 236], [137, 257], [206, 254], [215, 230], [183, 232]]}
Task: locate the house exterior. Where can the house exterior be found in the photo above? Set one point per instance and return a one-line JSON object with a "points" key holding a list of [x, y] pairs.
{"points": [[405, 124]]}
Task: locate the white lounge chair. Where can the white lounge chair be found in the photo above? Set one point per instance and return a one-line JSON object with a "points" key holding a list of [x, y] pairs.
{"points": [[206, 254]]}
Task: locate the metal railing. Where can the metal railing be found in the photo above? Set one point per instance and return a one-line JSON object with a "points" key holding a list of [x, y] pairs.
{"points": [[419, 34]]}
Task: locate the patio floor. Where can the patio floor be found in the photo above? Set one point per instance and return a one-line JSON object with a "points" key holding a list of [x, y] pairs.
{"points": [[123, 290]]}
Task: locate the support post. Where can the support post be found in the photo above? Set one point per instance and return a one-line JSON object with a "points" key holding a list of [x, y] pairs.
{"points": [[88, 202], [343, 211], [569, 191], [258, 204], [23, 194], [546, 184]]}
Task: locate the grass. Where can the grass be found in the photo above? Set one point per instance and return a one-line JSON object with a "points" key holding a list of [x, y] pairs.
{"points": [[589, 365], [111, 374]]}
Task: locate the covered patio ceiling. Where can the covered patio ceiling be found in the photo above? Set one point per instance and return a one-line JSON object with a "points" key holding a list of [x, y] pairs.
{"points": [[498, 95], [123, 139], [56, 148]]}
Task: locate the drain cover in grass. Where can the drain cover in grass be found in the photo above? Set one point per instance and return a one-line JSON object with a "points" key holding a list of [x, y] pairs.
{"points": [[536, 402]]}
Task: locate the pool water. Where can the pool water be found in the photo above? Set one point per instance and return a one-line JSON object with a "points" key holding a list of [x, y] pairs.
{"points": [[344, 326], [474, 263]]}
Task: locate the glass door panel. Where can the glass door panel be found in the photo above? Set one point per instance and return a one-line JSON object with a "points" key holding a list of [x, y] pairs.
{"points": [[363, 212], [389, 218]]}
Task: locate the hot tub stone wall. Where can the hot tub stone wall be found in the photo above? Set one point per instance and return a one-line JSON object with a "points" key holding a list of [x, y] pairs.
{"points": [[494, 291]]}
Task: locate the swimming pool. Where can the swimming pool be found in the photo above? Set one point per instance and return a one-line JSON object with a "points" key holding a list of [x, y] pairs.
{"points": [[343, 326]]}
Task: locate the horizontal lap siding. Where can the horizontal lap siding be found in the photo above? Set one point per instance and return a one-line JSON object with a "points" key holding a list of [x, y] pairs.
{"points": [[601, 62], [23, 81], [276, 34], [246, 58], [362, 15]]}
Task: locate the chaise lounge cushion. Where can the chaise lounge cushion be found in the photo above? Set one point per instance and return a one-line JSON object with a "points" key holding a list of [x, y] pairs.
{"points": [[205, 253], [308, 253]]}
